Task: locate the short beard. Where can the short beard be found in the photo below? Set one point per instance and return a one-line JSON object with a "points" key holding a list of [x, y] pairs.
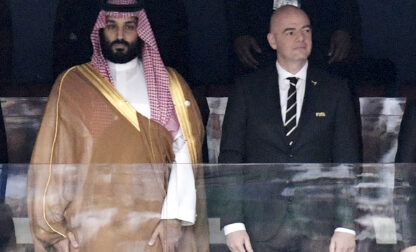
{"points": [[133, 50]]}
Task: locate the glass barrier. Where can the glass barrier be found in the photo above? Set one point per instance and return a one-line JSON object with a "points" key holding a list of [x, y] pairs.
{"points": [[117, 207]]}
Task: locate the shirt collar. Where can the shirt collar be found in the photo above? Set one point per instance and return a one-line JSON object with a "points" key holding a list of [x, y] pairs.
{"points": [[284, 74], [134, 63]]}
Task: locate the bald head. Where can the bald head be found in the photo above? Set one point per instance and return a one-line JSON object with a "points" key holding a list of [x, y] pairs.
{"points": [[285, 10], [291, 36]]}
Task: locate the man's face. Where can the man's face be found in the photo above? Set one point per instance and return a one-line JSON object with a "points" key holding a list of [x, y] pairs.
{"points": [[291, 36], [120, 42]]}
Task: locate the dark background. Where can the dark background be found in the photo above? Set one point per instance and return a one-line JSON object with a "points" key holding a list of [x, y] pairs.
{"points": [[388, 32]]}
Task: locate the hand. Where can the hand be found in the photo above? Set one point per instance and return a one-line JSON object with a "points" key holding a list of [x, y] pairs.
{"points": [[244, 47], [409, 249], [238, 241], [63, 245], [340, 46], [169, 233], [342, 242]]}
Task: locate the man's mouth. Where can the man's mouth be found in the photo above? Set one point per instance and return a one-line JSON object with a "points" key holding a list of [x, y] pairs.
{"points": [[119, 47], [301, 47]]}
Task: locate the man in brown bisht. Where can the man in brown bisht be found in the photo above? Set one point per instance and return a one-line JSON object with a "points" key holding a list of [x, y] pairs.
{"points": [[124, 107]]}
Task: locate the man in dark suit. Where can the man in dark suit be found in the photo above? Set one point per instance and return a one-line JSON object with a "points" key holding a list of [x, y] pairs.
{"points": [[288, 113]]}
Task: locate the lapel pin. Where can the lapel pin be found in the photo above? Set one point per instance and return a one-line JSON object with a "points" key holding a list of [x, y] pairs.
{"points": [[314, 82], [320, 114]]}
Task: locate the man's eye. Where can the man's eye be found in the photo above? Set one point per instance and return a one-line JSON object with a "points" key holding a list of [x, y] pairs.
{"points": [[289, 33], [130, 27], [110, 27]]}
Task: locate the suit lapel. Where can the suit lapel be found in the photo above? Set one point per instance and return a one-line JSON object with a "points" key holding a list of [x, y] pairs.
{"points": [[273, 94]]}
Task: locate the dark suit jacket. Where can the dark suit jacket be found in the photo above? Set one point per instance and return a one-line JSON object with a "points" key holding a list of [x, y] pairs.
{"points": [[252, 17], [253, 132], [406, 151]]}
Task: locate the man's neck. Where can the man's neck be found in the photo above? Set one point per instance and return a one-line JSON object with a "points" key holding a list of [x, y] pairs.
{"points": [[292, 67], [124, 66]]}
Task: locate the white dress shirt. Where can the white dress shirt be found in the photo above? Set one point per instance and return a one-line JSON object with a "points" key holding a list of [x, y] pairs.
{"points": [[284, 85], [180, 201], [300, 94]]}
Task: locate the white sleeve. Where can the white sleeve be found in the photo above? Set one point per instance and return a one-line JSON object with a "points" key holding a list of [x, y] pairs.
{"points": [[230, 228], [345, 230], [180, 201]]}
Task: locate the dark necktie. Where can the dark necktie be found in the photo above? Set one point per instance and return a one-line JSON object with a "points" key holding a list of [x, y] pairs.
{"points": [[290, 122]]}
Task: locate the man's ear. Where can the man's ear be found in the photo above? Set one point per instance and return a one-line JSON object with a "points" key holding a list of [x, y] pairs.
{"points": [[272, 40]]}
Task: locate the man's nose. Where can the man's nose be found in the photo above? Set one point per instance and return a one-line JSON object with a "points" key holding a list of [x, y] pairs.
{"points": [[300, 36], [120, 33]]}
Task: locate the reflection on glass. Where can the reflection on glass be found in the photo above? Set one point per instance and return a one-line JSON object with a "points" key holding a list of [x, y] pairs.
{"points": [[302, 203]]}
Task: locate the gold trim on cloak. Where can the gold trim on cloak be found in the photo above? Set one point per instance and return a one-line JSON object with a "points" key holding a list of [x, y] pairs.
{"points": [[55, 136], [182, 108]]}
